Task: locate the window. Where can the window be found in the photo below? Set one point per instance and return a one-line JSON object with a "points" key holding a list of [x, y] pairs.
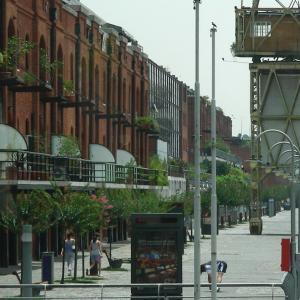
{"points": [[262, 29]]}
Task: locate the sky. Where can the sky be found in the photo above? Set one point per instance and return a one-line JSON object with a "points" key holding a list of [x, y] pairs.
{"points": [[166, 31]]}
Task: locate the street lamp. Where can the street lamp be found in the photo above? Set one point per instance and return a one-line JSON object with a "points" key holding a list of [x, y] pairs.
{"points": [[214, 221], [197, 195], [293, 205], [268, 168]]}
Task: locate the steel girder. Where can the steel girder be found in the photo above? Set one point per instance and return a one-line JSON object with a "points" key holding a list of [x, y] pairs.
{"points": [[274, 104]]}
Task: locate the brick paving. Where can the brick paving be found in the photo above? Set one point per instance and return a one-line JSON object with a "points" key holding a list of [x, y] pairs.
{"points": [[250, 259]]}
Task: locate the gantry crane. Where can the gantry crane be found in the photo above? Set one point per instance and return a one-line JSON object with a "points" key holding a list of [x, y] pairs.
{"points": [[270, 36]]}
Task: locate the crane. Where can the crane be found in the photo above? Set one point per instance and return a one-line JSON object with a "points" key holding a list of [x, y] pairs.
{"points": [[255, 3]]}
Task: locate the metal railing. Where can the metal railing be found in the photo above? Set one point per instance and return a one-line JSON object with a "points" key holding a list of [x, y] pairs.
{"points": [[25, 165], [176, 171], [228, 157], [159, 291]]}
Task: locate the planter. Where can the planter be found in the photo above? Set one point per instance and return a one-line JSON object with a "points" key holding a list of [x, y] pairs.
{"points": [[115, 263], [11, 173], [70, 98]]}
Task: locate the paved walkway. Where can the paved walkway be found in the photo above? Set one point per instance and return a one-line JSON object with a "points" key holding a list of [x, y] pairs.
{"points": [[250, 259]]}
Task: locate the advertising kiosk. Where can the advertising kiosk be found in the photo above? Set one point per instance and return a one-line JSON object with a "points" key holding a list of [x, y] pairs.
{"points": [[156, 253]]}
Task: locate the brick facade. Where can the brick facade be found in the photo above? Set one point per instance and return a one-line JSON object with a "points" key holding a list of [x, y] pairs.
{"points": [[223, 123], [108, 68]]}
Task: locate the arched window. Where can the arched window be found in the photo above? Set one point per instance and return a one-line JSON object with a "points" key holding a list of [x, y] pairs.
{"points": [[83, 79], [11, 32], [104, 88], [124, 108], [11, 29], [137, 102], [129, 99], [72, 67], [60, 71], [97, 84], [27, 55], [114, 93], [27, 127], [43, 58]]}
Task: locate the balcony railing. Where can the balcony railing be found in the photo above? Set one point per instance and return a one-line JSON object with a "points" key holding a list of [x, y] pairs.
{"points": [[176, 171], [25, 165], [228, 157]]}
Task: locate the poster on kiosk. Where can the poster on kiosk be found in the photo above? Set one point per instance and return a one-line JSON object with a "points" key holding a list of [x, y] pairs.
{"points": [[156, 253]]}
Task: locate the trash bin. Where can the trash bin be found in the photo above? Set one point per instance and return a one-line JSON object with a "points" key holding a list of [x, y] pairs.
{"points": [[206, 226], [48, 267], [271, 208]]}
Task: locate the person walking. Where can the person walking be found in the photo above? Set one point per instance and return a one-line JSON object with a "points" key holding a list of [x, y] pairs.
{"points": [[221, 269], [95, 255], [69, 252]]}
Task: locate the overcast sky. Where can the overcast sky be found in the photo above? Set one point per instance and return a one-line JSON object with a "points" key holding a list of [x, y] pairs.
{"points": [[166, 31]]}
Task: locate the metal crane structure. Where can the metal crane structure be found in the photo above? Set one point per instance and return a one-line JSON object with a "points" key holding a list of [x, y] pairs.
{"points": [[271, 37]]}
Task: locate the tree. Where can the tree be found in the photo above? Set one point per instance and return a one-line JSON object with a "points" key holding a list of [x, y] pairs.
{"points": [[68, 146], [161, 177], [234, 188], [79, 213], [36, 208], [278, 193], [125, 202]]}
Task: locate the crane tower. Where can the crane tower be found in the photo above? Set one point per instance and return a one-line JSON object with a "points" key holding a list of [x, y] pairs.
{"points": [[271, 37]]}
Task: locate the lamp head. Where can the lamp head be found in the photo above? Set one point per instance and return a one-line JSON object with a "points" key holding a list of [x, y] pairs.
{"points": [[268, 168]]}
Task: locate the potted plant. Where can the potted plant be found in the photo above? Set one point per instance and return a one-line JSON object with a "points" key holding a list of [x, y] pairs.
{"points": [[48, 67], [68, 88], [16, 48], [147, 124], [29, 78]]}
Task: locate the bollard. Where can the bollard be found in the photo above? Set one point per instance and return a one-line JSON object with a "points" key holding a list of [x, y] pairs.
{"points": [[27, 260], [240, 217], [229, 220], [222, 221]]}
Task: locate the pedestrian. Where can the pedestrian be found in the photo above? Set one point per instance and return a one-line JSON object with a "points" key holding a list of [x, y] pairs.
{"points": [[69, 252], [221, 269], [95, 255]]}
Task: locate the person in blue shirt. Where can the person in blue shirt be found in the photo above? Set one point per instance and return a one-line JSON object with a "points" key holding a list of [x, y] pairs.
{"points": [[69, 252]]}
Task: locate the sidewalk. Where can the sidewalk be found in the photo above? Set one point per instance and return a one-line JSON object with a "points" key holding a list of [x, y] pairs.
{"points": [[250, 259]]}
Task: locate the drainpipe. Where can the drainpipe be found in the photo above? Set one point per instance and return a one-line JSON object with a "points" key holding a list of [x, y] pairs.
{"points": [[133, 109], [2, 27], [78, 81], [108, 102], [91, 117]]}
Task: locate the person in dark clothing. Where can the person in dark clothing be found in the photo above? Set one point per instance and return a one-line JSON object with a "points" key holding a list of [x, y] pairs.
{"points": [[221, 269]]}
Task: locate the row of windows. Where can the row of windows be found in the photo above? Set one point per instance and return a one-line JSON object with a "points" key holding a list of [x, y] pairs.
{"points": [[261, 29], [165, 106]]}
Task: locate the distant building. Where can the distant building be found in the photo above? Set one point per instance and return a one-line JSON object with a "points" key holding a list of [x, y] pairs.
{"points": [[223, 124], [168, 105]]}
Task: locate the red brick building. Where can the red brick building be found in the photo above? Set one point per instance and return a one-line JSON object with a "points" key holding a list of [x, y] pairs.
{"points": [[223, 123], [86, 79], [168, 105], [106, 65]]}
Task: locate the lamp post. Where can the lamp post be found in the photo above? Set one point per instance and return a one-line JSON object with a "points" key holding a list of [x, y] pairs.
{"points": [[214, 220], [197, 196], [293, 206]]}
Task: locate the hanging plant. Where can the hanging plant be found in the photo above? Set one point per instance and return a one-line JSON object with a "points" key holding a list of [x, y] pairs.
{"points": [[147, 123], [16, 48], [68, 86], [29, 78], [69, 147], [47, 66]]}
